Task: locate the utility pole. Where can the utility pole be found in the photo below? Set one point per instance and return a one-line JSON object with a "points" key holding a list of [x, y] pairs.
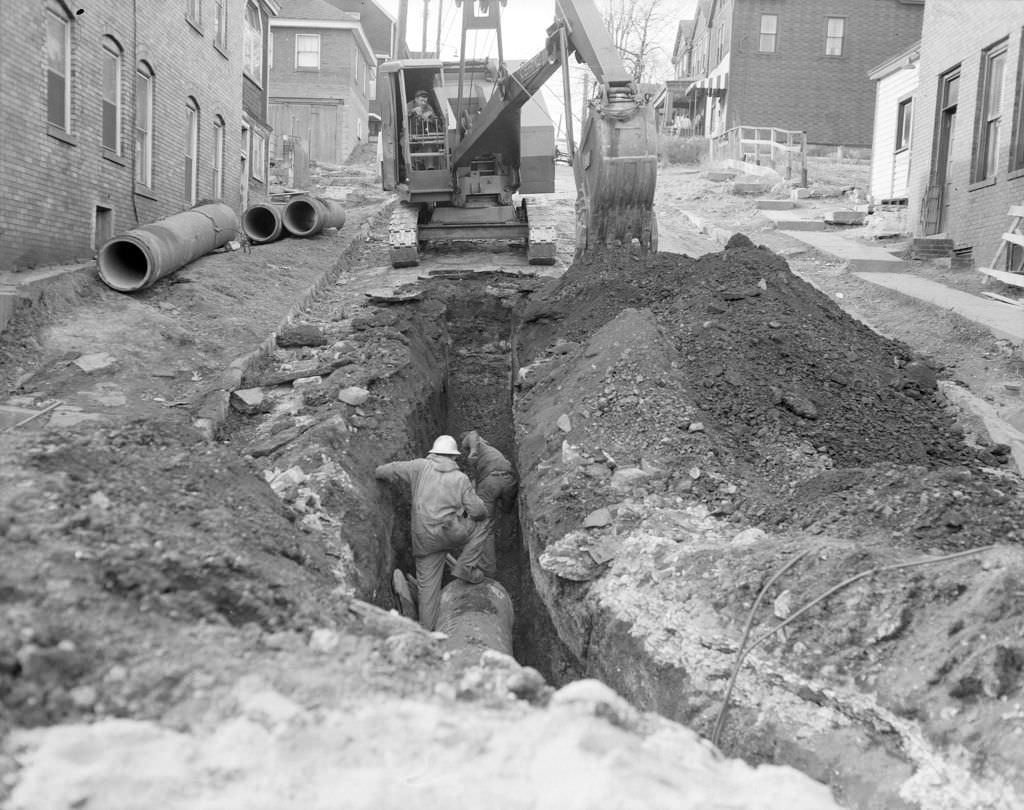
{"points": [[426, 12], [439, 16], [401, 47]]}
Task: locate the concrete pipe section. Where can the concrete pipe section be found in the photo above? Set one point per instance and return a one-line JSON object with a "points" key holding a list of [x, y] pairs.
{"points": [[263, 222], [476, 617], [307, 216], [137, 259]]}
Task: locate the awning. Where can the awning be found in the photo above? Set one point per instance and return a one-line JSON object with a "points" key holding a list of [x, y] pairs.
{"points": [[710, 85], [373, 116]]}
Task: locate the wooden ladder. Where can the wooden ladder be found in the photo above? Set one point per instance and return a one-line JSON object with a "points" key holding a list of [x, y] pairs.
{"points": [[1014, 274]]}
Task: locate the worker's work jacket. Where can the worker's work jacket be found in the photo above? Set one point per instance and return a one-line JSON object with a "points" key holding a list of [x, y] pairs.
{"points": [[444, 505], [487, 459]]}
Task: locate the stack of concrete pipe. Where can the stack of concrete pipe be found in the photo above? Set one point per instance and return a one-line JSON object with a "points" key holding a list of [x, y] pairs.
{"points": [[302, 216], [137, 259]]}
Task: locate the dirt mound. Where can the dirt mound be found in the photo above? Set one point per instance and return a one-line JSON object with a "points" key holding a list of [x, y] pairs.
{"points": [[816, 417]]}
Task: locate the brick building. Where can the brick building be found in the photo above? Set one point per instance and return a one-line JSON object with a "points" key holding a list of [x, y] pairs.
{"points": [[797, 65], [322, 70], [967, 166], [118, 113]]}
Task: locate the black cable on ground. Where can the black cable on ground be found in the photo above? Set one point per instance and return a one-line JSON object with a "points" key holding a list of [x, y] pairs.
{"points": [[743, 652]]}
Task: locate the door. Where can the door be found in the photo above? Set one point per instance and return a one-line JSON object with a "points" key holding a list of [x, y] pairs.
{"points": [[944, 151]]}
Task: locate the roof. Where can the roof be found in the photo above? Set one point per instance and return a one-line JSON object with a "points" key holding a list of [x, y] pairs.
{"points": [[316, 10], [901, 60]]}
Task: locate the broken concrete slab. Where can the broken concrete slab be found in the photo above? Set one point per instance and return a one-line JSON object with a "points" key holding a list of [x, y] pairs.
{"points": [[775, 205], [353, 395], [846, 217], [248, 401], [719, 177], [749, 187], [95, 362], [69, 416]]}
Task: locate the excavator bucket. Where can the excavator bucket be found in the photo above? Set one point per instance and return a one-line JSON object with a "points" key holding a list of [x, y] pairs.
{"points": [[616, 172]]}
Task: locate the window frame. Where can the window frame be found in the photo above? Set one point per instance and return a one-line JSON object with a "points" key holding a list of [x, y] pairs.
{"points": [[220, 25], [55, 13], [830, 37], [258, 159], [989, 117], [217, 157], [904, 123], [299, 51], [143, 154], [252, 48], [1017, 132], [112, 52], [774, 34], [194, 13], [192, 150]]}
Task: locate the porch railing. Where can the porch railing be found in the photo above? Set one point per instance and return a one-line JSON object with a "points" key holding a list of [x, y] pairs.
{"points": [[783, 150]]}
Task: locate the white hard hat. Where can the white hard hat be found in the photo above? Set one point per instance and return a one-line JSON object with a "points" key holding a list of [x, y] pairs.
{"points": [[445, 446]]}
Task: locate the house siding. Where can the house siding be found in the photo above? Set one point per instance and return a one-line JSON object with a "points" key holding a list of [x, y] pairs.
{"points": [[53, 185], [955, 34], [890, 170], [798, 87], [328, 107]]}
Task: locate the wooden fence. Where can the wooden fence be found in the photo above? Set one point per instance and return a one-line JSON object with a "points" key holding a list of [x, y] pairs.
{"points": [[783, 150]]}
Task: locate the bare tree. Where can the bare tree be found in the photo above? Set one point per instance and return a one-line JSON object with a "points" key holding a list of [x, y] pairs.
{"points": [[637, 28]]}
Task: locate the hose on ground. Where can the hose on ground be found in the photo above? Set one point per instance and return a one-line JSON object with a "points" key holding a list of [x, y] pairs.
{"points": [[745, 650]]}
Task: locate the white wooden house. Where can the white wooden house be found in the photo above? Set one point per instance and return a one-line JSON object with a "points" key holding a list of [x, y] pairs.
{"points": [[896, 82]]}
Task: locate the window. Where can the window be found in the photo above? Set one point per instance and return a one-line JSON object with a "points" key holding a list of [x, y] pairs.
{"points": [[218, 157], [372, 79], [259, 156], [144, 125], [58, 69], [194, 11], [307, 51], [769, 31], [903, 120], [252, 56], [990, 111], [111, 111], [835, 31], [220, 24], [1017, 150], [191, 150]]}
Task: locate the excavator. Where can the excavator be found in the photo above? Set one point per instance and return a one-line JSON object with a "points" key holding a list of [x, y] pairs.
{"points": [[455, 151]]}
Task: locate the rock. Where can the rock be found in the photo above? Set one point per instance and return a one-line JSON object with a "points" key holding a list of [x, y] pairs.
{"points": [[590, 696], [571, 455], [801, 406], [696, 427], [307, 382], [353, 395], [749, 537], [625, 478], [95, 362], [527, 684], [84, 697], [921, 375], [782, 607], [598, 519], [215, 406], [564, 423], [323, 640], [248, 401], [298, 335], [845, 217]]}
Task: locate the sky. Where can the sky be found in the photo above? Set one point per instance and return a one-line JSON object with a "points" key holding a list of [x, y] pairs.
{"points": [[523, 25]]}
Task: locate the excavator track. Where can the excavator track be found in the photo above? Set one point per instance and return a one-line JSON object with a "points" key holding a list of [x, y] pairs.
{"points": [[541, 243], [403, 236]]}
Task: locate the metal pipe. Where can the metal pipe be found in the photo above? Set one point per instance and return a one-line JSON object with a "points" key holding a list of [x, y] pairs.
{"points": [[306, 215], [263, 222], [476, 617], [140, 257]]}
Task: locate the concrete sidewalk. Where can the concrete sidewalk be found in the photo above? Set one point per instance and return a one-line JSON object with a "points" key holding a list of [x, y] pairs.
{"points": [[858, 256], [1004, 320]]}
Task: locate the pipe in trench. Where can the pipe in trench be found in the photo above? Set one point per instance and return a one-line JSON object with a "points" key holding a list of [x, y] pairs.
{"points": [[306, 215], [476, 617], [263, 222], [140, 257]]}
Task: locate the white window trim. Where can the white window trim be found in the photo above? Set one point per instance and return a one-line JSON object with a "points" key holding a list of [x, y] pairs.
{"points": [[248, 52], [144, 173], [774, 33], [192, 139], [315, 37], [257, 165], [111, 49], [830, 37], [219, 137], [66, 26], [220, 24]]}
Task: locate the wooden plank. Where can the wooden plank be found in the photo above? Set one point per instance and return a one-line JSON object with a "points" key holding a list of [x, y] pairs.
{"points": [[1016, 238], [1016, 211], [1003, 299], [1016, 279]]}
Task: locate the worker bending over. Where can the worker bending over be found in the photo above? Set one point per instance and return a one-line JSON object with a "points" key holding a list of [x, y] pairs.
{"points": [[497, 487], [447, 515]]}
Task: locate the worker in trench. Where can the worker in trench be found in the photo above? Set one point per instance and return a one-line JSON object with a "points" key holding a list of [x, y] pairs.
{"points": [[447, 516], [497, 487]]}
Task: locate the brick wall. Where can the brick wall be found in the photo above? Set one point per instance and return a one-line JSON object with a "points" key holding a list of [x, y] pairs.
{"points": [[53, 185], [955, 35], [798, 87]]}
